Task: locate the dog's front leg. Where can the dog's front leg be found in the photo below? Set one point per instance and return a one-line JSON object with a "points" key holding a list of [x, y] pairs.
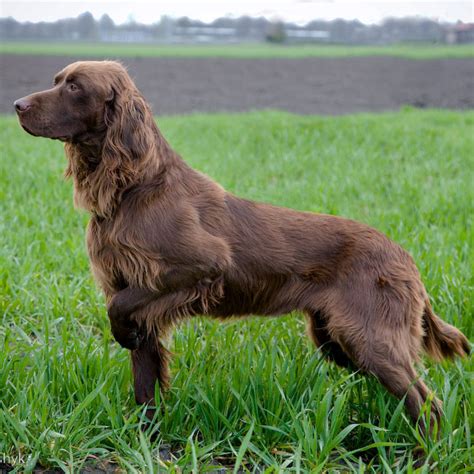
{"points": [[149, 365], [149, 356], [140, 318], [125, 329]]}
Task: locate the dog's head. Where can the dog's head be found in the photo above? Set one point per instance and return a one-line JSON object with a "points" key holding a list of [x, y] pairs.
{"points": [[88, 98], [109, 130]]}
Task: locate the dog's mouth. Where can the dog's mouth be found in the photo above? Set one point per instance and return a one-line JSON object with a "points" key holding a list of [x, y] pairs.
{"points": [[43, 134], [61, 139], [28, 130]]}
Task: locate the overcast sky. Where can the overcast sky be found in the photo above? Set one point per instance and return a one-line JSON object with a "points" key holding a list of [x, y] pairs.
{"points": [[300, 11]]}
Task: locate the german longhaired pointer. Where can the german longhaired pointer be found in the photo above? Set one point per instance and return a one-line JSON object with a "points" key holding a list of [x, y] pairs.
{"points": [[167, 243]]}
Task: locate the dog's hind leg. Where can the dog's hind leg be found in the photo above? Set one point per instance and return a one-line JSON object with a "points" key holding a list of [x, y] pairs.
{"points": [[317, 331], [401, 380], [382, 336]]}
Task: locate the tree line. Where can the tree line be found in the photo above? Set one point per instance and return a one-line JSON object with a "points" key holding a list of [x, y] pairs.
{"points": [[86, 28]]}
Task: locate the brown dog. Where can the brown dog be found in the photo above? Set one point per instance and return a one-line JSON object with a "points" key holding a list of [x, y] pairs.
{"points": [[166, 242]]}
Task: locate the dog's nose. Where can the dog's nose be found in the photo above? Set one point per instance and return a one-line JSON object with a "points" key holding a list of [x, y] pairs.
{"points": [[22, 105]]}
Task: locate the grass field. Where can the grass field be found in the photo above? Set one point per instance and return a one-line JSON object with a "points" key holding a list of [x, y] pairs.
{"points": [[422, 51], [252, 395]]}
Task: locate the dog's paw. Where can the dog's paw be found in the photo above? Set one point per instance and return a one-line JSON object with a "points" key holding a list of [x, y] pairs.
{"points": [[133, 341], [129, 337]]}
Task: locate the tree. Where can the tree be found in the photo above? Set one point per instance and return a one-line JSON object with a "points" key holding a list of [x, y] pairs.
{"points": [[275, 32], [106, 23], [87, 26]]}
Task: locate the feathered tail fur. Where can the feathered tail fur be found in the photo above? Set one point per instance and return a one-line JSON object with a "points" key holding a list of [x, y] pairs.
{"points": [[441, 340]]}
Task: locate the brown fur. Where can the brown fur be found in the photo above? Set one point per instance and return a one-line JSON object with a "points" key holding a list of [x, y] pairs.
{"points": [[166, 243]]}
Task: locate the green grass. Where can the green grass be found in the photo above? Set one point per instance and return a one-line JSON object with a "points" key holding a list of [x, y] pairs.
{"points": [[414, 51], [251, 394]]}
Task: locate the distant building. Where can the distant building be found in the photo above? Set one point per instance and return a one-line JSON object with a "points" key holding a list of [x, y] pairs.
{"points": [[460, 33], [126, 36], [204, 34], [307, 36]]}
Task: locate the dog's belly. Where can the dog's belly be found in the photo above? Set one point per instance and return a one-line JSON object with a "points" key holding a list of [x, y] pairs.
{"points": [[264, 296]]}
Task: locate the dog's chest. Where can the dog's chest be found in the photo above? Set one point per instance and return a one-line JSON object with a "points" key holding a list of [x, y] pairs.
{"points": [[116, 262]]}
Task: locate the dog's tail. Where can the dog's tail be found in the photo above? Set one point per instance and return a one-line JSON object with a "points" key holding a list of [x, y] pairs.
{"points": [[441, 340]]}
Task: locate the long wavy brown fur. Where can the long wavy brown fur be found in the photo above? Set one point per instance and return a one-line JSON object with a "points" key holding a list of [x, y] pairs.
{"points": [[166, 243], [129, 146]]}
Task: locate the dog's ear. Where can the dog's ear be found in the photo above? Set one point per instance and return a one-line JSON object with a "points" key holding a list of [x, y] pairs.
{"points": [[128, 136], [128, 145]]}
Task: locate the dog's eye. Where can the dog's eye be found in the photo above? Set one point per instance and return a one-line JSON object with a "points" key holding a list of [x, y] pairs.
{"points": [[72, 87]]}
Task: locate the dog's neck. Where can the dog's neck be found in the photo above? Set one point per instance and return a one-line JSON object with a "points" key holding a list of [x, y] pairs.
{"points": [[100, 186]]}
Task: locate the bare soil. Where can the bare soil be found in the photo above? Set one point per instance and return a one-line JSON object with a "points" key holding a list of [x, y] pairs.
{"points": [[328, 86]]}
